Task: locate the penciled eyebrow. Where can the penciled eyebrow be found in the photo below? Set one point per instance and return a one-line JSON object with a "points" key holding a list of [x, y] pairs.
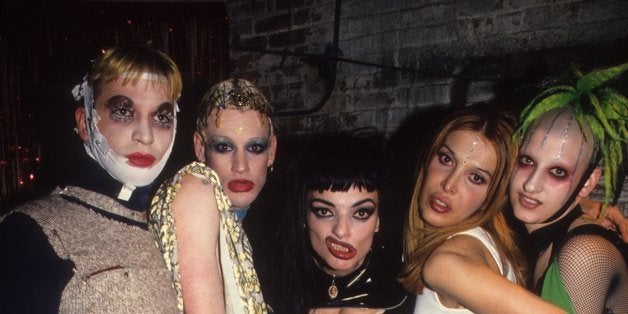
{"points": [[356, 204], [328, 203], [366, 200]]}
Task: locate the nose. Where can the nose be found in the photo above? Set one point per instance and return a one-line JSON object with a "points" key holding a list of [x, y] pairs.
{"points": [[533, 183], [143, 132], [450, 182], [342, 227], [240, 162]]}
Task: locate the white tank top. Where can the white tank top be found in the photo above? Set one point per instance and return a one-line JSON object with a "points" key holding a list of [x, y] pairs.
{"points": [[428, 302]]}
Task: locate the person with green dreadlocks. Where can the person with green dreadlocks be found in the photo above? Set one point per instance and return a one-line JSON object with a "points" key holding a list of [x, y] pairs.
{"points": [[568, 136]]}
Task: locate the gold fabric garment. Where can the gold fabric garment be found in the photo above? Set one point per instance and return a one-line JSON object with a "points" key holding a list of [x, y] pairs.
{"points": [[241, 284]]}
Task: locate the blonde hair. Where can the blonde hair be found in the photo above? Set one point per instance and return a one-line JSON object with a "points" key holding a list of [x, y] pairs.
{"points": [[420, 239], [121, 60]]}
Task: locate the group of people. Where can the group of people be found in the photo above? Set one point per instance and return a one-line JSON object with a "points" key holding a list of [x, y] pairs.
{"points": [[114, 239]]}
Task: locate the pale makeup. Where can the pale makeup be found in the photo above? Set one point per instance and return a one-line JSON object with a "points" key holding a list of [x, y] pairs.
{"points": [[550, 164], [457, 178], [341, 226], [136, 119], [240, 148]]}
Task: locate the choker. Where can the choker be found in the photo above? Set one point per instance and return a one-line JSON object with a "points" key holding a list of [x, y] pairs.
{"points": [[543, 237], [240, 213]]}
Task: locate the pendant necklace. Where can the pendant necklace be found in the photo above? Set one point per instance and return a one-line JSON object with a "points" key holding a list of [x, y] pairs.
{"points": [[333, 290]]}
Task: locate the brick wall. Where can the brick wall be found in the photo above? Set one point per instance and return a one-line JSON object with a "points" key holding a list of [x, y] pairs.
{"points": [[401, 56]]}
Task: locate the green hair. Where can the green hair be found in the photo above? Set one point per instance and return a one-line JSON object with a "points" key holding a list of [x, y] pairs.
{"points": [[603, 108]]}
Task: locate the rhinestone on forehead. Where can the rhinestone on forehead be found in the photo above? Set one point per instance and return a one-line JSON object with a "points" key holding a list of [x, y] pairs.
{"points": [[549, 129], [565, 132], [468, 155], [565, 135]]}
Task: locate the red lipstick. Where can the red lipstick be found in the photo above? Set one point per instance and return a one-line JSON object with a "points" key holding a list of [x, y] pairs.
{"points": [[240, 186], [339, 249], [141, 160]]}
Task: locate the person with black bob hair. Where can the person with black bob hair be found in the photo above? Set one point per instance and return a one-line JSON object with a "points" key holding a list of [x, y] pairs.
{"points": [[327, 248]]}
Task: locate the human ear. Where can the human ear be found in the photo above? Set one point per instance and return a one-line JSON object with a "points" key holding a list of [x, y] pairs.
{"points": [[377, 226], [272, 150], [81, 123], [199, 147], [591, 182]]}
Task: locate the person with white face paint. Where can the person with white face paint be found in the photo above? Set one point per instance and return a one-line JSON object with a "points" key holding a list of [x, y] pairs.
{"points": [[86, 246], [196, 215], [565, 132]]}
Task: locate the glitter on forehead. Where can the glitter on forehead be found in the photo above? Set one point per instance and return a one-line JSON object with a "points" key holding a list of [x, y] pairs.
{"points": [[573, 180], [468, 155], [549, 129], [565, 135]]}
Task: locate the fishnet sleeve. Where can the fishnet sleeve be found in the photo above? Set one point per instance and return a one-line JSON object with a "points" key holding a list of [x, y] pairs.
{"points": [[594, 273]]}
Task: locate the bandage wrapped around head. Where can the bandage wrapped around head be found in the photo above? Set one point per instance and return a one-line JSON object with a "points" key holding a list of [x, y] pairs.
{"points": [[98, 149]]}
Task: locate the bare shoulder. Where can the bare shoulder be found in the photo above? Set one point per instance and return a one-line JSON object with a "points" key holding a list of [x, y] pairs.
{"points": [[194, 189], [461, 253], [461, 246], [195, 199]]}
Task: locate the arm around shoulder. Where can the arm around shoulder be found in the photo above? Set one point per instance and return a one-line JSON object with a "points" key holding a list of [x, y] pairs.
{"points": [[459, 272], [614, 218]]}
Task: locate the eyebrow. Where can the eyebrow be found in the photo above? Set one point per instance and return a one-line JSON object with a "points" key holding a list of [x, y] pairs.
{"points": [[166, 106], [114, 100], [330, 204], [485, 171], [218, 138], [478, 168], [259, 139], [366, 200]]}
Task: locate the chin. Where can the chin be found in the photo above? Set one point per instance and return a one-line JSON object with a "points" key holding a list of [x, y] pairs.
{"points": [[524, 216], [434, 220], [343, 270], [241, 201]]}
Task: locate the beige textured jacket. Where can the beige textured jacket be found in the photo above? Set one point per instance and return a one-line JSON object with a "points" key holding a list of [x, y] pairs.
{"points": [[118, 268]]}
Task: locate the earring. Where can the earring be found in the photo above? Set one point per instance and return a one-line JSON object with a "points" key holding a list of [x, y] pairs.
{"points": [[271, 168]]}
